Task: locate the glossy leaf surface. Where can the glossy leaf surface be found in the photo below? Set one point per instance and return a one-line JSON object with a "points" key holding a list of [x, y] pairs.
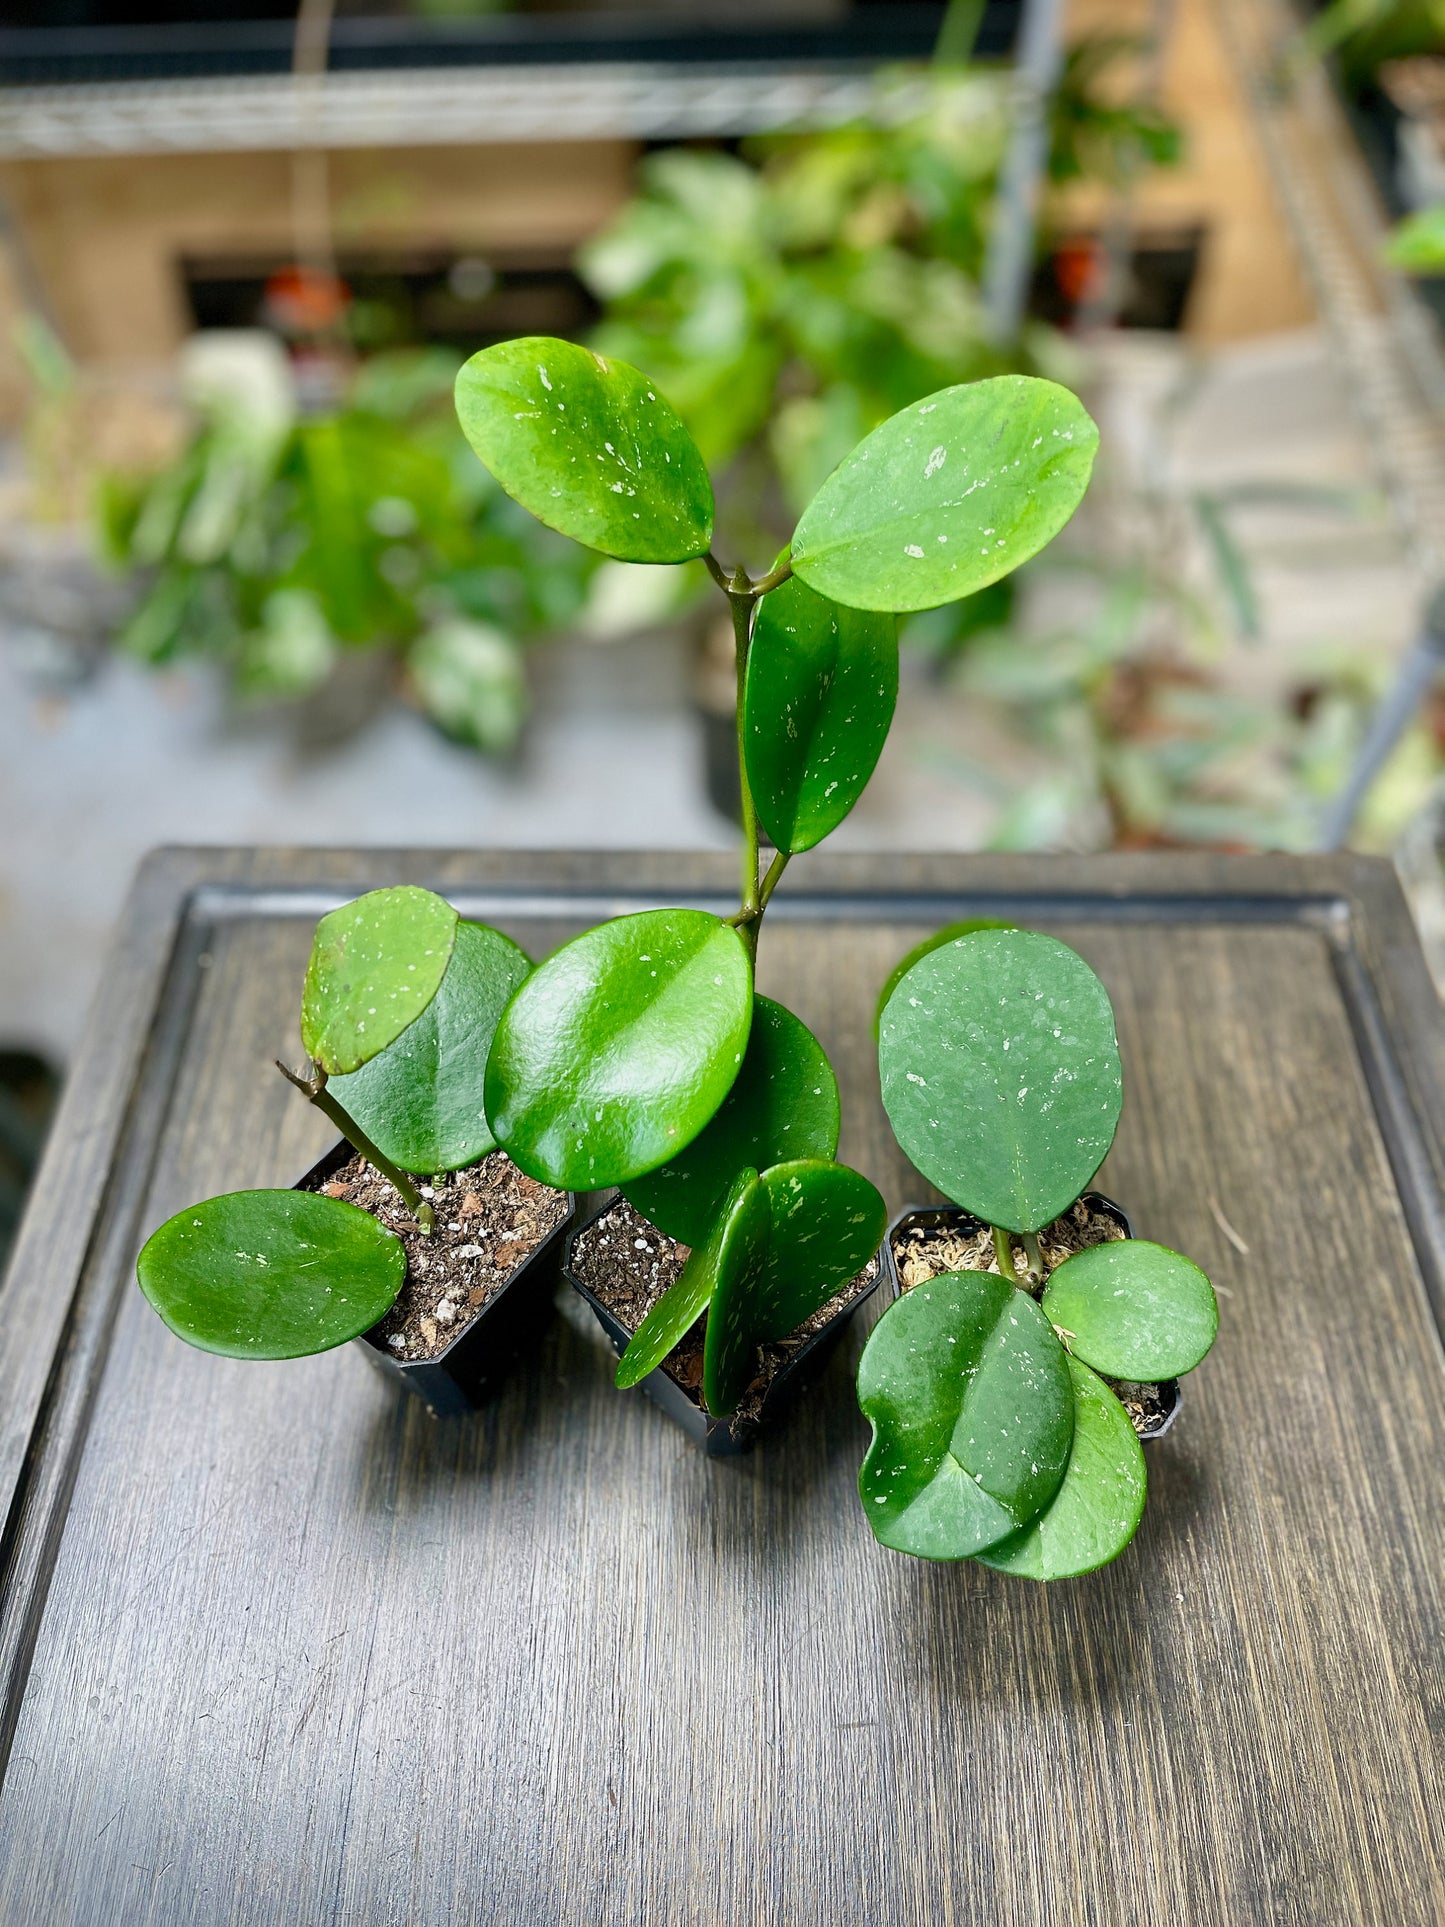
{"points": [[589, 446], [968, 1393], [271, 1274], [735, 1248], [825, 1221], [783, 1105], [375, 966], [422, 1101], [821, 686], [948, 495], [617, 1050], [966, 927], [1133, 1310], [1097, 1509], [1001, 1074]]}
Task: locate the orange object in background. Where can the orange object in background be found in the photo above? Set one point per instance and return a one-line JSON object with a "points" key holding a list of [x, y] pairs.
{"points": [[305, 301]]}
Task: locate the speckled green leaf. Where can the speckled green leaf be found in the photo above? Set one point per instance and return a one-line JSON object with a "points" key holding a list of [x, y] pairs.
{"points": [[783, 1105], [820, 690], [375, 966], [968, 1393], [948, 495], [589, 446], [1133, 1310], [421, 1101], [617, 1050], [1001, 1074], [736, 1247], [271, 1274], [950, 933], [1097, 1509], [825, 1221]]}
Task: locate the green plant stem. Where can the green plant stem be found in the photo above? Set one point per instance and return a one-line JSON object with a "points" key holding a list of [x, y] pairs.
{"points": [[1036, 1256], [775, 578], [743, 595], [314, 1088], [958, 34], [1003, 1251], [751, 907], [771, 879]]}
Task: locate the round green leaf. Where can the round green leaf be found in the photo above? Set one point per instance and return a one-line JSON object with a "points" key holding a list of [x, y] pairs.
{"points": [[1001, 1074], [421, 1101], [375, 966], [967, 1390], [824, 1224], [1097, 1509], [950, 932], [948, 495], [271, 1274], [821, 686], [1133, 1310], [736, 1247], [616, 1052], [783, 1105], [589, 446]]}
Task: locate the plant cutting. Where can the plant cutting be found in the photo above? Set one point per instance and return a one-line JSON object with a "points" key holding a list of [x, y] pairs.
{"points": [[638, 1056], [1009, 1381], [400, 1001]]}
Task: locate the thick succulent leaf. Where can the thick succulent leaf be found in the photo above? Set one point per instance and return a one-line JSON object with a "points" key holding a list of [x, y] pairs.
{"points": [[375, 966], [421, 1101], [824, 1224], [948, 495], [821, 686], [966, 927], [1001, 1074], [783, 1105], [271, 1274], [1097, 1509], [736, 1247], [967, 1390], [589, 446], [1133, 1310], [617, 1050]]}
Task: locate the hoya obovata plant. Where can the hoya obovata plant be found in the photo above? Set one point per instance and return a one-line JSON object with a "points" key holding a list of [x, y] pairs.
{"points": [[397, 1012], [638, 1055], [995, 1435]]}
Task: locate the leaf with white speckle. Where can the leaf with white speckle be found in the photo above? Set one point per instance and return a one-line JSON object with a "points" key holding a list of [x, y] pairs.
{"points": [[894, 528], [589, 447]]}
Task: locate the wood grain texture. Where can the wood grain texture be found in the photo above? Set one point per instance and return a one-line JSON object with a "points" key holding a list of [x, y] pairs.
{"points": [[309, 1655]]}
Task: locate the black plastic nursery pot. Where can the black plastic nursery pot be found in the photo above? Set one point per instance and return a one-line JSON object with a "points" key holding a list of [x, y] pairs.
{"points": [[948, 1217], [718, 1437], [472, 1367]]}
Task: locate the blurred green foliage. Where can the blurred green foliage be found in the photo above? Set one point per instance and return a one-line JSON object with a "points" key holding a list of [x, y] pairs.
{"points": [[275, 545], [790, 298], [1363, 34]]}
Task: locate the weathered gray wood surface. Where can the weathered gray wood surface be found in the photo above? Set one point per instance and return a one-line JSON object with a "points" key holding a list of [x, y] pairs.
{"points": [[307, 1656]]}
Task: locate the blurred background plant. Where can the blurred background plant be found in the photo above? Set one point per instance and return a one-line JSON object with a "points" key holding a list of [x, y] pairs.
{"points": [[281, 547], [788, 297]]}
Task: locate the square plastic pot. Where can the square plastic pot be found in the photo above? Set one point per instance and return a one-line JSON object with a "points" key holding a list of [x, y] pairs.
{"points": [[474, 1364], [718, 1437]]}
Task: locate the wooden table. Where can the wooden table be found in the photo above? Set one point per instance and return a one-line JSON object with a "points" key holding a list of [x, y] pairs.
{"points": [[280, 1648]]}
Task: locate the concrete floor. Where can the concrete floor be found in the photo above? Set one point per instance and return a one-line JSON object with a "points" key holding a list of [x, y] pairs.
{"points": [[93, 776]]}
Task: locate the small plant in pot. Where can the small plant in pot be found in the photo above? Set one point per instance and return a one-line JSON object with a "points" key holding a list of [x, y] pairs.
{"points": [[416, 1233], [1033, 1339], [638, 1056]]}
